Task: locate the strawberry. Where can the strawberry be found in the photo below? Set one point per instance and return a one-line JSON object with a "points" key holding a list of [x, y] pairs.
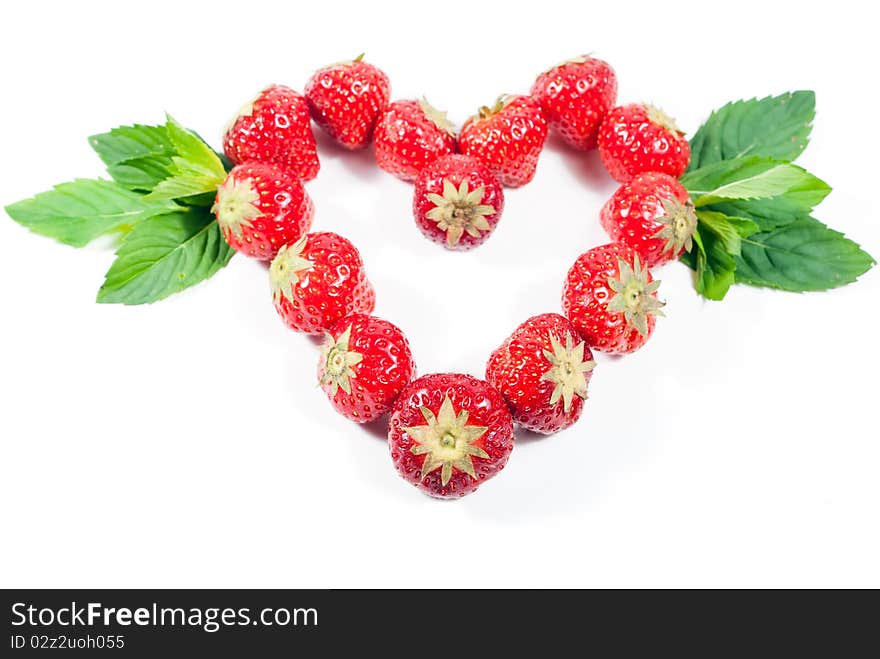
{"points": [[611, 299], [575, 96], [260, 207], [542, 370], [274, 127], [345, 99], [410, 135], [457, 201], [365, 364], [507, 138], [654, 215], [640, 138], [317, 280], [449, 433]]}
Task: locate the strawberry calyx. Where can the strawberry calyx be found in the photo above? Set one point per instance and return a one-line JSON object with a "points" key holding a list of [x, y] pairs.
{"points": [[577, 59], [679, 224], [235, 205], [485, 112], [447, 442], [245, 110], [338, 361], [286, 269], [344, 62], [347, 62], [567, 370], [458, 211], [437, 117], [659, 117], [634, 295]]}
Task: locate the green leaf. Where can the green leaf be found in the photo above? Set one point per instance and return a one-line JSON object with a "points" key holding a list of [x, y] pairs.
{"points": [[776, 127], [195, 169], [203, 199], [767, 214], [729, 230], [802, 256], [754, 178], [715, 267], [796, 202], [137, 157], [78, 212], [192, 148], [142, 174], [165, 255], [718, 239], [132, 142], [772, 182]]}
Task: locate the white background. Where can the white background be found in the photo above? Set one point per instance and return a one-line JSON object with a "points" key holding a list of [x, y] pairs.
{"points": [[185, 443]]}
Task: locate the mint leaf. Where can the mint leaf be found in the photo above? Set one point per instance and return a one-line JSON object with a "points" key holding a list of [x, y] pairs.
{"points": [[769, 214], [802, 256], [140, 157], [753, 178], [772, 182], [706, 179], [715, 267], [78, 212], [137, 157], [718, 239], [195, 169], [132, 142], [796, 202], [190, 147], [776, 127], [142, 174], [164, 255], [729, 230]]}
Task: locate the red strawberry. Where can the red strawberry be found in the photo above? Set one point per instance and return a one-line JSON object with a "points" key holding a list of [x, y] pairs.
{"points": [[365, 364], [318, 280], [542, 370], [261, 207], [611, 299], [346, 99], [654, 215], [448, 433], [575, 96], [457, 201], [274, 127], [640, 138], [410, 135], [507, 138]]}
